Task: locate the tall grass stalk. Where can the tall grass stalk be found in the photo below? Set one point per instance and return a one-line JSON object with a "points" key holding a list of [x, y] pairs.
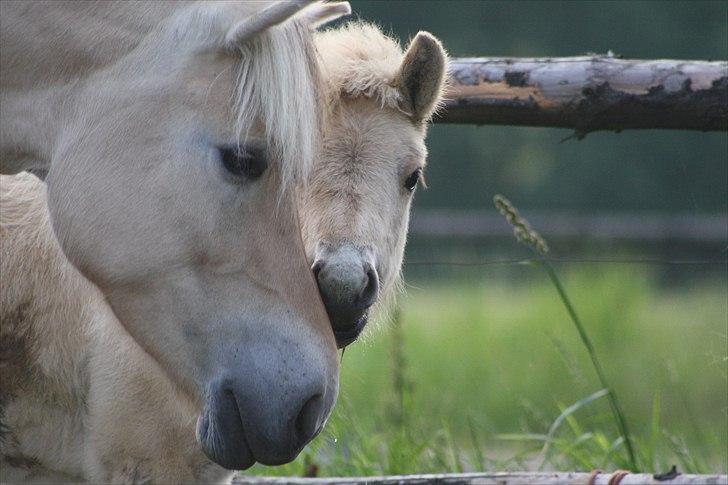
{"points": [[400, 381], [612, 396], [533, 240], [479, 458]]}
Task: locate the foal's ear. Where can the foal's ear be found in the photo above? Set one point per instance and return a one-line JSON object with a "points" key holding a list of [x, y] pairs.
{"points": [[316, 14], [421, 77]]}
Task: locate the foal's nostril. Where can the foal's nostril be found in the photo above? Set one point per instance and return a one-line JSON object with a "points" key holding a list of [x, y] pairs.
{"points": [[369, 293], [349, 286], [307, 422], [316, 267]]}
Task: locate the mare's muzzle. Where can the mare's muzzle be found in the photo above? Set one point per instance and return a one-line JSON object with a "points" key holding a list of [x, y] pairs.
{"points": [[268, 410]]}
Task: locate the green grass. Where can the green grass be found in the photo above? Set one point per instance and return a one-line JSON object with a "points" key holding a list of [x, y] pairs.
{"points": [[491, 375]]}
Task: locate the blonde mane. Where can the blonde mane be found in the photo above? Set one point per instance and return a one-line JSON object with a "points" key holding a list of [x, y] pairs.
{"points": [[280, 83], [279, 79], [360, 61]]}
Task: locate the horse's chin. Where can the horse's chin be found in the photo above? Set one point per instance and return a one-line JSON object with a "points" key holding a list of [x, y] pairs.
{"points": [[227, 447], [346, 337]]}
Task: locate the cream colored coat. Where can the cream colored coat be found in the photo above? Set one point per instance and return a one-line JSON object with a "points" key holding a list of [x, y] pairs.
{"points": [[100, 408]]}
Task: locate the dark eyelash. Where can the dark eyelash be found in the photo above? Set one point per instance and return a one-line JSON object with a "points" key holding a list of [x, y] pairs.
{"points": [[411, 182], [249, 162]]}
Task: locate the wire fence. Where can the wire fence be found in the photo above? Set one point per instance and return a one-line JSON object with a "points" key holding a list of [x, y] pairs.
{"points": [[705, 234], [516, 261], [647, 227]]}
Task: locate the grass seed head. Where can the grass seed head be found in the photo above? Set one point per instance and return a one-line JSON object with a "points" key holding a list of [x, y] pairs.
{"points": [[521, 228]]}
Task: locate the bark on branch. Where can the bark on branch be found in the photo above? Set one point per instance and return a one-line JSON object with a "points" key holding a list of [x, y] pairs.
{"points": [[504, 478], [588, 93]]}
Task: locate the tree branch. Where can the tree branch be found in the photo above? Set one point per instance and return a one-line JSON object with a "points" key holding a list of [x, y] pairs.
{"points": [[503, 478], [588, 93]]}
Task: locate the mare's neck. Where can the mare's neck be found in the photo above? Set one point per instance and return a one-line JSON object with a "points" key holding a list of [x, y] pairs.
{"points": [[47, 48]]}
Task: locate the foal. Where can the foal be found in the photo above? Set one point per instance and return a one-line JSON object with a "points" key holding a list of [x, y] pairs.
{"points": [[135, 426], [355, 208]]}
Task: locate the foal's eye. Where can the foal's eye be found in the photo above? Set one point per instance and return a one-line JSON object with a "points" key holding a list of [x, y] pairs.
{"points": [[411, 182], [248, 162]]}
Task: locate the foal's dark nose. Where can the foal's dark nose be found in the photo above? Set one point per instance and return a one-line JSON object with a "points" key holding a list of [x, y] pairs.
{"points": [[349, 285]]}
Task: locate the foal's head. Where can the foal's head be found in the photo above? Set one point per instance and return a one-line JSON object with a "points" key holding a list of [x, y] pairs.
{"points": [[171, 188], [355, 209]]}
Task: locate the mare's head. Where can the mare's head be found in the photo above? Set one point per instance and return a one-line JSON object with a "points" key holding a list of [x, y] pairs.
{"points": [[171, 189], [355, 210]]}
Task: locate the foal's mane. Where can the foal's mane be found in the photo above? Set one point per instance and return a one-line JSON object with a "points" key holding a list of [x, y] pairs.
{"points": [[360, 61]]}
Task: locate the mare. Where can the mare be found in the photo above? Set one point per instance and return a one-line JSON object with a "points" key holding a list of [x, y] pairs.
{"points": [[172, 136]]}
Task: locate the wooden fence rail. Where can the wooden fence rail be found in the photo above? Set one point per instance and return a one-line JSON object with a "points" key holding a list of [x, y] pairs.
{"points": [[505, 478], [588, 93], [585, 94]]}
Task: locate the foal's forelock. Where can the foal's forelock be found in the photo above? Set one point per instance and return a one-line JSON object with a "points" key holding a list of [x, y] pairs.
{"points": [[279, 83]]}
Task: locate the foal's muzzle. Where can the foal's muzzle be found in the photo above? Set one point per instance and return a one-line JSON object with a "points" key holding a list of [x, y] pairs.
{"points": [[349, 286]]}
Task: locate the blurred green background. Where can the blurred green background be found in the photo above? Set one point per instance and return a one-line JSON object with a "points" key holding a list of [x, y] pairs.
{"points": [[483, 359], [631, 171]]}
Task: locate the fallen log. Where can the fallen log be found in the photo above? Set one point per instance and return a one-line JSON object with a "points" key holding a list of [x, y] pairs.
{"points": [[588, 93], [505, 478]]}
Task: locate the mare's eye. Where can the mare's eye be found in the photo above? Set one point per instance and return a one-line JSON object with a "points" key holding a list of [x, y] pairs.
{"points": [[411, 182], [249, 162]]}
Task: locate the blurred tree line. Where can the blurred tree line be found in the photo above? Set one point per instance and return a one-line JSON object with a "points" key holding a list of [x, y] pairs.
{"points": [[655, 171]]}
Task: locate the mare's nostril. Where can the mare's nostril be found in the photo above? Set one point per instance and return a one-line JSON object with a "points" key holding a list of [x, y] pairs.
{"points": [[220, 429], [307, 422]]}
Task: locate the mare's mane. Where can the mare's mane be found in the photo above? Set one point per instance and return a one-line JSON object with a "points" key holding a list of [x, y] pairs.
{"points": [[278, 82], [278, 70]]}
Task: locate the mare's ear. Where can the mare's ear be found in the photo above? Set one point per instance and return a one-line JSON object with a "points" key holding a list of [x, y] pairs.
{"points": [[320, 14], [421, 76], [261, 21], [315, 14]]}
